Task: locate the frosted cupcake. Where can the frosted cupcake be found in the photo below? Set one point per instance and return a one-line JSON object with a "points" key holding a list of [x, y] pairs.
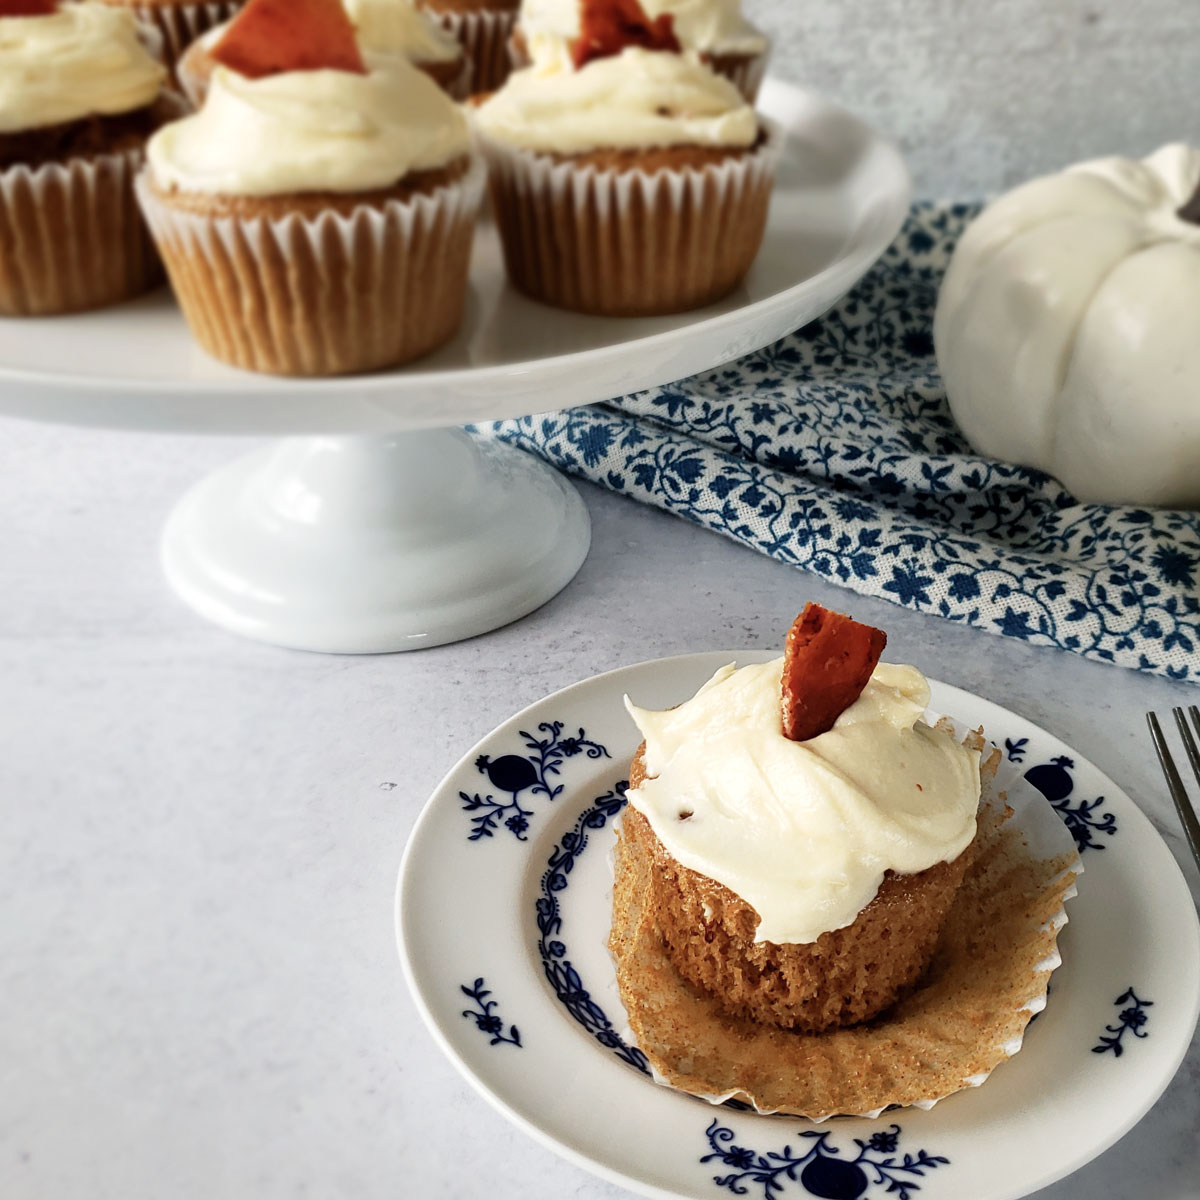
{"points": [[381, 27], [818, 907], [635, 184], [483, 29], [315, 222], [180, 22], [801, 882], [79, 95], [714, 29]]}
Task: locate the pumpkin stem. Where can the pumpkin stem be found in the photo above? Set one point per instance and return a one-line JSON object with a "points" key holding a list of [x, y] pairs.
{"points": [[1191, 210]]}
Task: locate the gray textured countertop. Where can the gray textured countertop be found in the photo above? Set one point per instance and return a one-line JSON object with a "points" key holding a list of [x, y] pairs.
{"points": [[983, 96], [199, 991]]}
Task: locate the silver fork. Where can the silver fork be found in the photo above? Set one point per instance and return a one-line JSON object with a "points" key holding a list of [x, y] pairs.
{"points": [[1183, 806]]}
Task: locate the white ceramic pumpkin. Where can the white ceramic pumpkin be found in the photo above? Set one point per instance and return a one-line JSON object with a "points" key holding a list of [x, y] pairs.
{"points": [[1068, 329]]}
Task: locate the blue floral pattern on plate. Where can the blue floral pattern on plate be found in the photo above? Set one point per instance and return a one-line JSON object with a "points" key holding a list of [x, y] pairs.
{"points": [[818, 1167], [485, 1020], [1054, 780], [534, 772], [834, 450], [1131, 1019], [560, 973]]}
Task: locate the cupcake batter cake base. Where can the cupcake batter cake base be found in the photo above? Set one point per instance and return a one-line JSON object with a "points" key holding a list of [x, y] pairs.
{"points": [[965, 1016]]}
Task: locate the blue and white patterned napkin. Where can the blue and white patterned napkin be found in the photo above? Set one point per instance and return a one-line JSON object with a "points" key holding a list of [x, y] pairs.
{"points": [[834, 450]]}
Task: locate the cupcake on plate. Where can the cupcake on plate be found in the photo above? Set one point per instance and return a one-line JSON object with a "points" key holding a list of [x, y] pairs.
{"points": [[817, 906], [80, 93], [180, 22], [803, 880], [630, 180], [315, 221], [715, 29], [483, 29], [381, 27]]}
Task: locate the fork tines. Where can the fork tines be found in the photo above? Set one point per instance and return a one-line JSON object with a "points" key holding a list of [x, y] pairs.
{"points": [[1183, 805]]}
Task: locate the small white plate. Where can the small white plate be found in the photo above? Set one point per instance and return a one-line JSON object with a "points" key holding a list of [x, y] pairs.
{"points": [[502, 915]]}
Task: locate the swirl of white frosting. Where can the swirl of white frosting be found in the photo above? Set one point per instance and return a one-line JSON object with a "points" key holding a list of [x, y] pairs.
{"points": [[636, 99], [399, 27], [805, 831], [83, 60], [311, 131], [714, 26]]}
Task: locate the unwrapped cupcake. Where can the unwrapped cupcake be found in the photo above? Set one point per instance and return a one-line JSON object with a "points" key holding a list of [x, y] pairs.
{"points": [[381, 27], [629, 179], [180, 22], [818, 908], [716, 29], [80, 93], [315, 221]]}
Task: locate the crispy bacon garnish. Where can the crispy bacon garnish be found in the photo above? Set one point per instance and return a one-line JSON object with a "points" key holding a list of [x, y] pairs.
{"points": [[606, 27], [28, 8], [268, 37], [826, 665]]}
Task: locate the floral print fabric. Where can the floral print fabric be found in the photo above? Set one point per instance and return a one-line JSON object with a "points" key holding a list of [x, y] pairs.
{"points": [[834, 450]]}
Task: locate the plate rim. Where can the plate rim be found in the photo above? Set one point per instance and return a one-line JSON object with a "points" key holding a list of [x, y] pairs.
{"points": [[641, 1186]]}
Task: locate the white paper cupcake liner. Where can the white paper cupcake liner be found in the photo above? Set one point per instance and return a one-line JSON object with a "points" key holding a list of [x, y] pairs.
{"points": [[459, 88], [1040, 838], [71, 236], [181, 24], [746, 74], [323, 295], [630, 242], [484, 36]]}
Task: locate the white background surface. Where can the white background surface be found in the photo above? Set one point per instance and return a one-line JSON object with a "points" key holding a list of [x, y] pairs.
{"points": [[199, 838]]}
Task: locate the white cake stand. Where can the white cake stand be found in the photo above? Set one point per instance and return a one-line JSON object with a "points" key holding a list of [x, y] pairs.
{"points": [[376, 525]]}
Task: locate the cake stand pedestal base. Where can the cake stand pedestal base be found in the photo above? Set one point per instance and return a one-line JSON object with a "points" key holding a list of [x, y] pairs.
{"points": [[370, 544]]}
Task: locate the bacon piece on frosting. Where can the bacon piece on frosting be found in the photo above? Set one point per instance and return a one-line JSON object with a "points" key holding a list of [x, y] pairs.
{"points": [[606, 27], [28, 8], [268, 37], [826, 664]]}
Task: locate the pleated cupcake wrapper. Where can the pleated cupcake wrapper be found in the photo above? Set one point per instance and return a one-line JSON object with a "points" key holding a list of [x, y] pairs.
{"points": [[518, 57], [746, 75], [325, 295], [181, 24], [460, 86], [628, 242], [484, 36], [71, 236], [193, 85], [915, 1055]]}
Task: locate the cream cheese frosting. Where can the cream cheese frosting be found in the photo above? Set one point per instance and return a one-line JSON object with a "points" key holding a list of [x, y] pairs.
{"points": [[805, 831], [636, 99], [399, 27], [83, 60], [311, 131], [715, 26]]}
